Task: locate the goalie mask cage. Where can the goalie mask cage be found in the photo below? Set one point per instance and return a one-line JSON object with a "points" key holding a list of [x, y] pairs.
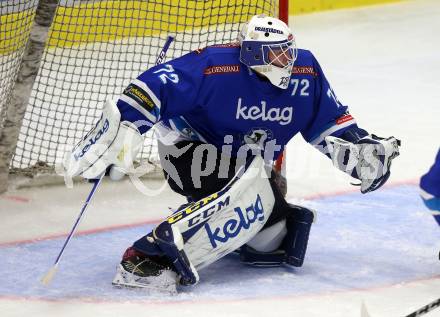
{"points": [[90, 50]]}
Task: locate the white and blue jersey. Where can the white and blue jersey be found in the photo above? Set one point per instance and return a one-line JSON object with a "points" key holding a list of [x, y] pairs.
{"points": [[208, 94]]}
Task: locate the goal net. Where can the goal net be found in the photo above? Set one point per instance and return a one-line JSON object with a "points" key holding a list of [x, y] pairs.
{"points": [[93, 50]]}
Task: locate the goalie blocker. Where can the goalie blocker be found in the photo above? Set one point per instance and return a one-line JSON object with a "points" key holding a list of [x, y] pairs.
{"points": [[111, 143], [240, 217]]}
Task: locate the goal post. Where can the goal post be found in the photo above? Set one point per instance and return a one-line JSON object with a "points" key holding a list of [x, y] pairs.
{"points": [[92, 50]]}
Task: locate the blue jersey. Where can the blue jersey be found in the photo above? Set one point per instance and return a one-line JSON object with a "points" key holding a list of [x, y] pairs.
{"points": [[430, 188], [430, 182], [209, 96]]}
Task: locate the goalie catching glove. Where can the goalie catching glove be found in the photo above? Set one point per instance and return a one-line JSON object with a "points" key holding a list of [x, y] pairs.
{"points": [[369, 159], [111, 143]]}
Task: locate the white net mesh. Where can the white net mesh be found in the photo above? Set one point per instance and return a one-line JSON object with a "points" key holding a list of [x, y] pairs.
{"points": [[94, 49]]}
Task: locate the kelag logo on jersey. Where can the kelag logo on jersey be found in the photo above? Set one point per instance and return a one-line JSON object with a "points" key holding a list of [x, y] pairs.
{"points": [[233, 227], [281, 115]]}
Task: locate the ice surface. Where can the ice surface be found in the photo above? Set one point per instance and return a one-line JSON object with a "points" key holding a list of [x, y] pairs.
{"points": [[359, 241], [380, 248]]}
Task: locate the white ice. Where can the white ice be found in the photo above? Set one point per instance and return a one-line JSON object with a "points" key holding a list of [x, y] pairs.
{"points": [[383, 61]]}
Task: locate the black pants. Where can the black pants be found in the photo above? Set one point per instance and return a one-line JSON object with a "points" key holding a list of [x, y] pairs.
{"points": [[215, 181]]}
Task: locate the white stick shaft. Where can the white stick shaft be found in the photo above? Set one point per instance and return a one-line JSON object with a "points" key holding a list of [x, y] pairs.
{"points": [[50, 274]]}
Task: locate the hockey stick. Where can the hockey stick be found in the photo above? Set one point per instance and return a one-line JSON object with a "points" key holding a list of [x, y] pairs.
{"points": [[50, 274], [425, 309], [164, 50], [47, 278]]}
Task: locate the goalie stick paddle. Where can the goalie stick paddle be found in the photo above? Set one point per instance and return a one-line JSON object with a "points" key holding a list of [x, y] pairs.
{"points": [[47, 278]]}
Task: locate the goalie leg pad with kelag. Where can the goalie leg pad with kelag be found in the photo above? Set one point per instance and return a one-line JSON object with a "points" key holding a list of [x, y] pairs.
{"points": [[210, 228], [227, 219], [170, 241]]}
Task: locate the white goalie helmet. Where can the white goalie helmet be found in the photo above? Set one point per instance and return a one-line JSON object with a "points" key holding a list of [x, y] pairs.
{"points": [[269, 48]]}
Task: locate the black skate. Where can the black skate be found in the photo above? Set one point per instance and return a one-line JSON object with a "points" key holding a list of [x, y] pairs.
{"points": [[140, 271]]}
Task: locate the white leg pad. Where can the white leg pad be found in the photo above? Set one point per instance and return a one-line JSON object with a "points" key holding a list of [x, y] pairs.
{"points": [[227, 219], [270, 238]]}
